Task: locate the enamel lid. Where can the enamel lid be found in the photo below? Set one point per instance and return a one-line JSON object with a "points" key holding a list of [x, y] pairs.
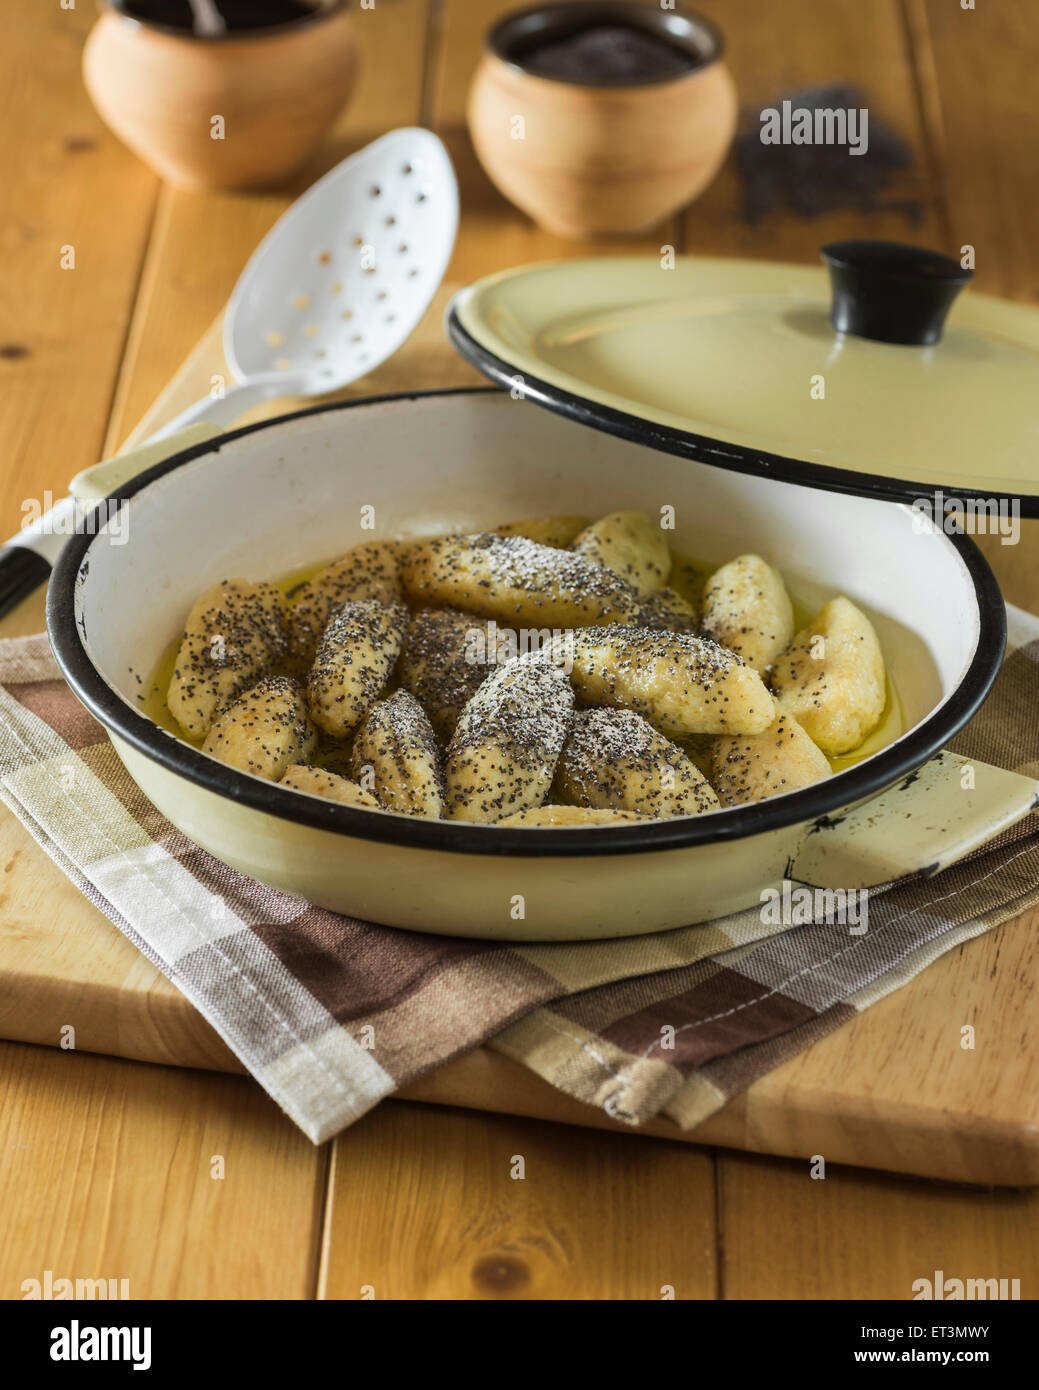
{"points": [[846, 377]]}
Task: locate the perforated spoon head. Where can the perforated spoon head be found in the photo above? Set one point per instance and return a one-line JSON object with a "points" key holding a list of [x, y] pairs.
{"points": [[344, 276]]}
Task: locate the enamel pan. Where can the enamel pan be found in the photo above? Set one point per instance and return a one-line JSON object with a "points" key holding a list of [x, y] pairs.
{"points": [[268, 499]]}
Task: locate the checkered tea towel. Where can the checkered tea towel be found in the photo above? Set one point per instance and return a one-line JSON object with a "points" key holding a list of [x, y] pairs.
{"points": [[330, 1014]]}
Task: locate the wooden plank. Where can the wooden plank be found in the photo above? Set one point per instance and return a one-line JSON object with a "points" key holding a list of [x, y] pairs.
{"points": [[67, 182], [892, 1089], [426, 1204], [842, 42], [978, 75], [977, 81], [861, 1235], [107, 1171], [64, 963]]}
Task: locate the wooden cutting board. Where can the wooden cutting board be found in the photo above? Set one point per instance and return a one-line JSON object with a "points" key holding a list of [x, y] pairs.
{"points": [[892, 1089]]}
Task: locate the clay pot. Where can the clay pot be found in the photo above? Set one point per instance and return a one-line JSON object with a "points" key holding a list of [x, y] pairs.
{"points": [[586, 160], [239, 109]]}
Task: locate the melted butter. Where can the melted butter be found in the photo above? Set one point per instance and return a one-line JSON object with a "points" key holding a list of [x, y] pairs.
{"points": [[891, 726], [153, 701]]}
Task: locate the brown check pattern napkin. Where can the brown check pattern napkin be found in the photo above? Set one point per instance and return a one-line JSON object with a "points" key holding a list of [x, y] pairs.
{"points": [[330, 1014]]}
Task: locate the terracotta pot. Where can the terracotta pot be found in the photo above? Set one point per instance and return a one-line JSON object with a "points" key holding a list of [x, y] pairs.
{"points": [[277, 90], [586, 160]]}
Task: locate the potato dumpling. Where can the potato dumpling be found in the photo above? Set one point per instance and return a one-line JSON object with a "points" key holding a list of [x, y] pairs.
{"points": [[554, 673], [504, 751], [568, 815], [370, 570], [315, 781], [353, 663], [831, 678], [680, 683], [746, 608], [688, 582], [752, 767], [615, 760], [631, 545], [667, 611], [234, 634], [446, 656], [515, 581], [265, 730], [697, 748], [395, 755], [556, 531]]}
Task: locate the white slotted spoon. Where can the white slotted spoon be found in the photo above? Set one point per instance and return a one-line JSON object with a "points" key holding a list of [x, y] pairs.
{"points": [[341, 279], [335, 287]]}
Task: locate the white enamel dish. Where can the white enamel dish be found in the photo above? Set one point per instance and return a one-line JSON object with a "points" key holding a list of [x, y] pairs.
{"points": [[271, 498]]}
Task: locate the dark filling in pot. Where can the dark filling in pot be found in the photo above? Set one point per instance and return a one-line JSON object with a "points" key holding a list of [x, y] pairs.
{"points": [[607, 54], [236, 14]]}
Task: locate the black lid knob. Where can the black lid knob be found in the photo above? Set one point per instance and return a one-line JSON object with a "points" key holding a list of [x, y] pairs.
{"points": [[890, 292]]}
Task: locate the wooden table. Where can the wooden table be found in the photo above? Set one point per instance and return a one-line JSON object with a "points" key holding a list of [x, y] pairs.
{"points": [[106, 1166]]}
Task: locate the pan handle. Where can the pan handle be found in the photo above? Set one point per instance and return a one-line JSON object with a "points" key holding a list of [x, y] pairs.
{"points": [[22, 571], [27, 558], [916, 828]]}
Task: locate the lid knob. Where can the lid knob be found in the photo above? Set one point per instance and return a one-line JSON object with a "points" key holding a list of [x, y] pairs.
{"points": [[890, 292]]}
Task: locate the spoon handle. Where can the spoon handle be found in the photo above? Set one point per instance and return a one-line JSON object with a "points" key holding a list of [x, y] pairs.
{"points": [[225, 409]]}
